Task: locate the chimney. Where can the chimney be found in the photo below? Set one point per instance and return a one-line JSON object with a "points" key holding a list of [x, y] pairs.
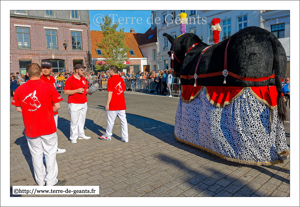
{"points": [[132, 30]]}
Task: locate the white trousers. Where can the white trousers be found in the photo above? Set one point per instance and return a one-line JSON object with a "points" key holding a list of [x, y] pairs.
{"points": [[111, 116], [78, 114], [46, 144]]}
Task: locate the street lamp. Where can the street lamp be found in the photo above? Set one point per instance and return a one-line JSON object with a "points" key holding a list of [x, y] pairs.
{"points": [[66, 44]]}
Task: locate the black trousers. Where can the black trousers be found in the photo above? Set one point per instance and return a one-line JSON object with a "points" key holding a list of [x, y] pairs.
{"points": [[165, 87]]}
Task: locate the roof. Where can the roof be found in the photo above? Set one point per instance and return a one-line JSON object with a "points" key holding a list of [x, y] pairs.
{"points": [[149, 36], [130, 41]]}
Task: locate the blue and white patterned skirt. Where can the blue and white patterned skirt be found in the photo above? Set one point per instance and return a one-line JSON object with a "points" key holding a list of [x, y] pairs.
{"points": [[245, 131]]}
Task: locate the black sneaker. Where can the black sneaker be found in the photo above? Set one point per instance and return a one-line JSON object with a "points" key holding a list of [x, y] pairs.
{"points": [[60, 183]]}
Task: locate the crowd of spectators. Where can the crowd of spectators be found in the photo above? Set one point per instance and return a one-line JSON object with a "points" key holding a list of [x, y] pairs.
{"points": [[159, 82]]}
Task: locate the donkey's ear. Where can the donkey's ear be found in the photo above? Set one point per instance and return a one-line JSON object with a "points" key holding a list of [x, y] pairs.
{"points": [[34, 92], [170, 38]]}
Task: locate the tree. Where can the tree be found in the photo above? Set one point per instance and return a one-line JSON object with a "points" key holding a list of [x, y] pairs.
{"points": [[88, 59], [113, 44]]}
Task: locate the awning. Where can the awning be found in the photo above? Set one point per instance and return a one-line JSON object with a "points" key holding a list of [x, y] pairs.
{"points": [[101, 63]]}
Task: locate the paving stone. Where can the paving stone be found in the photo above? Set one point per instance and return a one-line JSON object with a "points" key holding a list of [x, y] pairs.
{"points": [[160, 190], [201, 186], [145, 189], [210, 181], [172, 184], [215, 188], [133, 194], [284, 188], [191, 192], [184, 186], [278, 193], [232, 188], [118, 193], [262, 192], [106, 191], [223, 182], [174, 192], [269, 186], [119, 186]]}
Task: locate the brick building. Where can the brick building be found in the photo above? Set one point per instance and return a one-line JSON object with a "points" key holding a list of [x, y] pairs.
{"points": [[61, 36]]}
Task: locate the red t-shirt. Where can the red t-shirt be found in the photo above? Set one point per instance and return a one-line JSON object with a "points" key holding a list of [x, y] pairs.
{"points": [[73, 83], [52, 82], [117, 86], [36, 98]]}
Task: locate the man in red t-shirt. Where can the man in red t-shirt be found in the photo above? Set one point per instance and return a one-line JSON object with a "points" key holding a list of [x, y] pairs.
{"points": [[77, 87], [46, 70], [37, 101], [115, 105]]}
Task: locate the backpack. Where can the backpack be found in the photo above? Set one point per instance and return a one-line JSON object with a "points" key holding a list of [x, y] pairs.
{"points": [[285, 88]]}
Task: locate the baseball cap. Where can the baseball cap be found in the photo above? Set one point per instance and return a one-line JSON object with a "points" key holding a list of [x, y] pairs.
{"points": [[46, 64], [77, 66]]}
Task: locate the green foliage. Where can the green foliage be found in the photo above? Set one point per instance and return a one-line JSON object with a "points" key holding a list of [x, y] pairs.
{"points": [[113, 44], [101, 67]]}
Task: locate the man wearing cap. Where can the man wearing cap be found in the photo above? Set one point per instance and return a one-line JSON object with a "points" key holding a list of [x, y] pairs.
{"points": [[46, 69], [77, 88]]}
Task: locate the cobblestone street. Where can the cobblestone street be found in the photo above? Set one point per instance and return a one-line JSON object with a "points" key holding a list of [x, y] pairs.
{"points": [[151, 164]]}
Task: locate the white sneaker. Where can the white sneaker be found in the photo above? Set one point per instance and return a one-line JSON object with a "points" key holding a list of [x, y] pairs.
{"points": [[84, 137], [74, 141], [105, 138], [170, 95], [60, 150], [123, 140]]}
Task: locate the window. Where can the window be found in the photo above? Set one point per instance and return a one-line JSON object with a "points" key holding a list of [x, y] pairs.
{"points": [[164, 18], [74, 14], [278, 30], [23, 64], [49, 13], [153, 54], [165, 43], [76, 40], [51, 37], [131, 52], [154, 68], [242, 22], [21, 12], [226, 28], [150, 36], [182, 11], [193, 30], [174, 35], [57, 65], [173, 14], [166, 65], [193, 12], [23, 37], [210, 34], [99, 52]]}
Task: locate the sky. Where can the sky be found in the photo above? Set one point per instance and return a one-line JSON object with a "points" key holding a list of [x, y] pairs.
{"points": [[139, 20]]}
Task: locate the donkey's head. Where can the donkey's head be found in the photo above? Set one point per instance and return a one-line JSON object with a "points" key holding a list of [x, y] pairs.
{"points": [[32, 101], [178, 49]]}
